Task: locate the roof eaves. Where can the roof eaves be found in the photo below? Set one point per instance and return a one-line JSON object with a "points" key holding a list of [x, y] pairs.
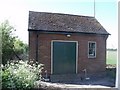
{"points": [[64, 32]]}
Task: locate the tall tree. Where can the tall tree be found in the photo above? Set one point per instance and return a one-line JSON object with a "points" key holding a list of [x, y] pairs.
{"points": [[11, 46], [7, 41]]}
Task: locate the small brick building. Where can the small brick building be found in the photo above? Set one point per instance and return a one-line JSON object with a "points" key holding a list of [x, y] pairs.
{"points": [[67, 44]]}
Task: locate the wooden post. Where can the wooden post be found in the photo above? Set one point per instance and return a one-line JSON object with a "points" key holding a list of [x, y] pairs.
{"points": [[118, 61]]}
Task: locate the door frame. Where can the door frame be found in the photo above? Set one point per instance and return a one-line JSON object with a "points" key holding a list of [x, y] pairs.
{"points": [[52, 53]]}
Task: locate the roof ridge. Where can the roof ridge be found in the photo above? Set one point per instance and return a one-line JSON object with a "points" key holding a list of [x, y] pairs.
{"points": [[63, 14]]}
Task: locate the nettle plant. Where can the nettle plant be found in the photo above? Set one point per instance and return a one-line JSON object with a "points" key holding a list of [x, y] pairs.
{"points": [[20, 74]]}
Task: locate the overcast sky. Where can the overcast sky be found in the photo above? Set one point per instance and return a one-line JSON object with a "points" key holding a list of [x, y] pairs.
{"points": [[17, 11]]}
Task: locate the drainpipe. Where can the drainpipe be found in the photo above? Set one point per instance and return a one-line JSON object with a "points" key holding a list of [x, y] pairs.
{"points": [[37, 47]]}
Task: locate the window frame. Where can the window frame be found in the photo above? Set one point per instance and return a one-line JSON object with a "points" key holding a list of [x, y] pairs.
{"points": [[91, 56]]}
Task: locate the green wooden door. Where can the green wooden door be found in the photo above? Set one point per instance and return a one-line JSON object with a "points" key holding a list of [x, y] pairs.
{"points": [[64, 57]]}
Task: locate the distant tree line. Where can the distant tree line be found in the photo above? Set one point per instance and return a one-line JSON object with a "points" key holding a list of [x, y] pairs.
{"points": [[111, 49], [12, 47]]}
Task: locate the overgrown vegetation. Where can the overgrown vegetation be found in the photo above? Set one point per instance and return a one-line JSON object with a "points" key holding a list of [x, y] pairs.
{"points": [[16, 72], [21, 49], [20, 75], [12, 47]]}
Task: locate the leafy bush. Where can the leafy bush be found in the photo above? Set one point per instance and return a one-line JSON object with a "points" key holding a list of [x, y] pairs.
{"points": [[20, 75]]}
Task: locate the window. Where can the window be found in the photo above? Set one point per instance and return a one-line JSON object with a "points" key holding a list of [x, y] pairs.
{"points": [[91, 49]]}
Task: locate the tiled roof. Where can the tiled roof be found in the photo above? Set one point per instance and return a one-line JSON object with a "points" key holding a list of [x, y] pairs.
{"points": [[53, 22]]}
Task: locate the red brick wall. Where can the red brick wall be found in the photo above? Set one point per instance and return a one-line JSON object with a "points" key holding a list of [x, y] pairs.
{"points": [[32, 46], [93, 65]]}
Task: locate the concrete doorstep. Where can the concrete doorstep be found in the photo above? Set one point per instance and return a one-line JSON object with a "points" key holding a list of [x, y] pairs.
{"points": [[59, 86]]}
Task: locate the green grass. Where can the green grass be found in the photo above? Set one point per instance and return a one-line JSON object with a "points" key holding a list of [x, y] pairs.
{"points": [[111, 57]]}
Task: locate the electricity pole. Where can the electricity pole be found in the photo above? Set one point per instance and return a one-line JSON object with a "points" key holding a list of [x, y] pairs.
{"points": [[94, 8]]}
